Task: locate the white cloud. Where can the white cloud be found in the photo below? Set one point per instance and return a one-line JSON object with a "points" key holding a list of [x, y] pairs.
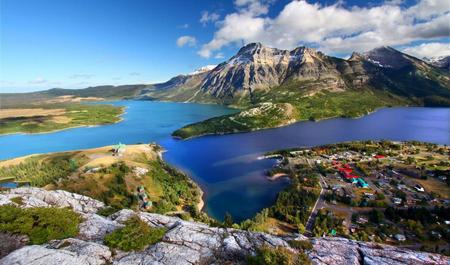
{"points": [[80, 76], [38, 81], [332, 28], [253, 7], [434, 49], [186, 40], [208, 17], [219, 56], [184, 26]]}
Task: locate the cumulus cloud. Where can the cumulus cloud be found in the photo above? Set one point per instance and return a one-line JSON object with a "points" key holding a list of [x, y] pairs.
{"points": [[208, 17], [252, 7], [332, 28], [433, 49], [186, 40]]}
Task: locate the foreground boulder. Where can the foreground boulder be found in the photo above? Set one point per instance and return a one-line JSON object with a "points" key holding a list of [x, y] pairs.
{"points": [[184, 242], [68, 251]]}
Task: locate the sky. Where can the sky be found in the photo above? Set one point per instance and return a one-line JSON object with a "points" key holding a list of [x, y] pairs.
{"points": [[80, 43]]}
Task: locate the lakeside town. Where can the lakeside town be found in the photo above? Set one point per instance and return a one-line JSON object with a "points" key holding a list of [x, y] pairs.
{"points": [[392, 192]]}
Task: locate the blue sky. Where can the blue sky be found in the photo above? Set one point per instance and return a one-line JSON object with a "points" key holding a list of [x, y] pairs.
{"points": [[79, 43]]}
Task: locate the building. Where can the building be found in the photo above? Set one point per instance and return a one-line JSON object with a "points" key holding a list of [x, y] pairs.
{"points": [[419, 188], [362, 183], [400, 237], [119, 149], [396, 200]]}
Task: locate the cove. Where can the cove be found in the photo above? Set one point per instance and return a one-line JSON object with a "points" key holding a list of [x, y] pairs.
{"points": [[226, 167]]}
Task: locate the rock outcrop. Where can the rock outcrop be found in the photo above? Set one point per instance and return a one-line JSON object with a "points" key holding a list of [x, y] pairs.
{"points": [[184, 242], [35, 197]]}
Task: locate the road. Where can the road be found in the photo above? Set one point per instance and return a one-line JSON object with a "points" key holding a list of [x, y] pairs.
{"points": [[320, 203]]}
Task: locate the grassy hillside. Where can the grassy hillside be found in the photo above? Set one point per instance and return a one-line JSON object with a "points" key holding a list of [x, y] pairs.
{"points": [[291, 103], [112, 179]]}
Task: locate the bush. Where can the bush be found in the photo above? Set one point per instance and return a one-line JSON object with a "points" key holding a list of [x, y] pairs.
{"points": [[301, 244], [39, 224], [107, 211], [136, 235], [277, 256]]}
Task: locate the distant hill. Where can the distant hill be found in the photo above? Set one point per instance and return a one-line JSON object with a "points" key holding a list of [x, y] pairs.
{"points": [[106, 92]]}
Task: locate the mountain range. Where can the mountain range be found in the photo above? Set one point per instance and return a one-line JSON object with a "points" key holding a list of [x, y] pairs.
{"points": [[274, 87], [257, 69]]}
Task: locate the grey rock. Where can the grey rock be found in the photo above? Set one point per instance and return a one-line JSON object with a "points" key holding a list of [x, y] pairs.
{"points": [[69, 251], [95, 227], [36, 197], [332, 251], [11, 242]]}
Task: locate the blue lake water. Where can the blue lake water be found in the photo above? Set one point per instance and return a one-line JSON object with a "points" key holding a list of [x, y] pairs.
{"points": [[226, 167]]}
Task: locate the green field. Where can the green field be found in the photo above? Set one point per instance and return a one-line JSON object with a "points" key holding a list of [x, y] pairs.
{"points": [[75, 115]]}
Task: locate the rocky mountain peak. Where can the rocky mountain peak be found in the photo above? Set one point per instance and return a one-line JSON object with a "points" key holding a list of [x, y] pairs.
{"points": [[441, 62], [388, 57], [356, 57], [250, 48], [203, 69]]}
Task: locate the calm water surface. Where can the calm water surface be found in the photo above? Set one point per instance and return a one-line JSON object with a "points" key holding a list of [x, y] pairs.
{"points": [[226, 166]]}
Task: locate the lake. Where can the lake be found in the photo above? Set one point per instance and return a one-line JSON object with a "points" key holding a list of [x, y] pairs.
{"points": [[226, 167]]}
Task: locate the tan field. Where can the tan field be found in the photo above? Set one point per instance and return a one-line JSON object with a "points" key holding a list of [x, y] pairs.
{"points": [[436, 186], [74, 99], [14, 113]]}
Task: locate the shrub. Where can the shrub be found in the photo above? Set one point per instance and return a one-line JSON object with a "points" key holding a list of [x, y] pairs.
{"points": [[17, 200], [136, 235], [39, 224], [301, 244], [107, 211], [277, 256]]}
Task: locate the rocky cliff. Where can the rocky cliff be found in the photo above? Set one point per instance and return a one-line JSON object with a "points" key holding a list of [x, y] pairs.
{"points": [[184, 242], [257, 67]]}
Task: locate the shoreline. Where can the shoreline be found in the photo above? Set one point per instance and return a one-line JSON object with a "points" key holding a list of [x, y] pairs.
{"points": [[201, 203], [277, 176], [279, 126], [123, 111]]}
